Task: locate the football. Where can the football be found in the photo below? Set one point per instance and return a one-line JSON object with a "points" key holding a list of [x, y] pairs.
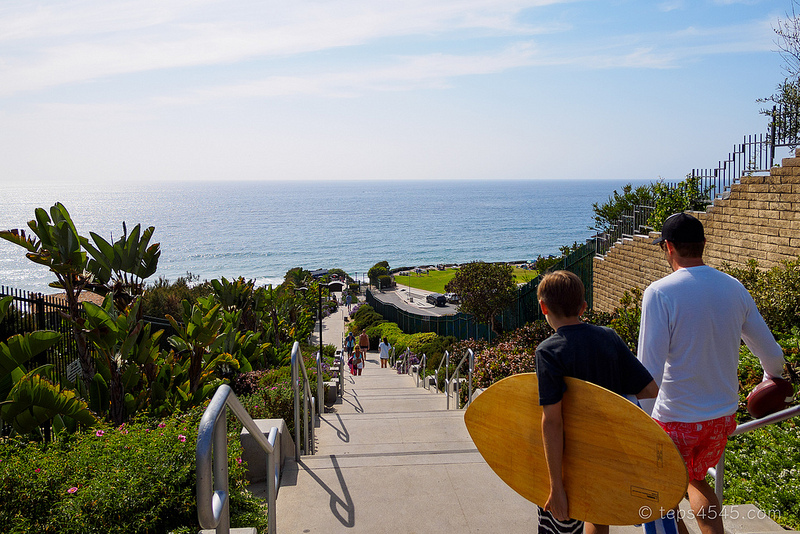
{"points": [[770, 396]]}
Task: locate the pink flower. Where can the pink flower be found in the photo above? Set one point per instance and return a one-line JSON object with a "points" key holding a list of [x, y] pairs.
{"points": [[161, 425], [72, 490], [36, 470], [239, 461], [99, 433], [182, 438]]}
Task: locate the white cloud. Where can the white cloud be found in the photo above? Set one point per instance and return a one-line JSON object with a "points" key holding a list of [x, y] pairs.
{"points": [[85, 40]]}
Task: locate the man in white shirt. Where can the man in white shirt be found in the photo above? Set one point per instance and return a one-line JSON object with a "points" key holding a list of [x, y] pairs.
{"points": [[692, 324]]}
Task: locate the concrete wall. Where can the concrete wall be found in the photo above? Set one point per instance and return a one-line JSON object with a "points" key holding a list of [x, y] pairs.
{"points": [[760, 219]]}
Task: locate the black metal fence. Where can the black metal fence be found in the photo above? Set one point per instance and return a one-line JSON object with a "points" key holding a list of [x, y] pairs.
{"points": [[32, 311], [524, 310], [755, 154]]}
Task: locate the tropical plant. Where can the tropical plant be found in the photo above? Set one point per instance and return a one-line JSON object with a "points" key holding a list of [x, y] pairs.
{"points": [[56, 244], [484, 290], [29, 399], [126, 355], [120, 269], [197, 341]]}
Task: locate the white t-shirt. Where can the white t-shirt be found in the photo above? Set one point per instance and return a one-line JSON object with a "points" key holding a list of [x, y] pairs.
{"points": [[384, 348], [692, 324]]}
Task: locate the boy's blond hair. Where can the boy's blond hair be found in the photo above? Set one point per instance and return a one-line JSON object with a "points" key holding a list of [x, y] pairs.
{"points": [[562, 292]]}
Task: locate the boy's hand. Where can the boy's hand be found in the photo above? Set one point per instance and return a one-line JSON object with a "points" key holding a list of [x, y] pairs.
{"points": [[557, 504]]}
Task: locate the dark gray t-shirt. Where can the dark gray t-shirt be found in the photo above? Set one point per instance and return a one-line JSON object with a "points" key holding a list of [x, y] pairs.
{"points": [[589, 352]]}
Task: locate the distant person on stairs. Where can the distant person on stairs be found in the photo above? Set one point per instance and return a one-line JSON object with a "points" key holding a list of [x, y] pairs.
{"points": [[384, 349], [358, 361]]}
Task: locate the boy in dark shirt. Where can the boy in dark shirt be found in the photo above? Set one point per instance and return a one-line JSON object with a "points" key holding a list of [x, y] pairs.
{"points": [[588, 352]]}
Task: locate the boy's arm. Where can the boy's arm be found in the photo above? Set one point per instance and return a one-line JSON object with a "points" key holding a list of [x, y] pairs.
{"points": [[553, 440], [650, 391]]}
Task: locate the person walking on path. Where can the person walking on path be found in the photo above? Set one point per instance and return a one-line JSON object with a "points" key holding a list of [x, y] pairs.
{"points": [[358, 361], [363, 342], [692, 325], [384, 349], [349, 345], [580, 350]]}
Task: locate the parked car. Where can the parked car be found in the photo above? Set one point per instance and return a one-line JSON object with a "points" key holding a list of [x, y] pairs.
{"points": [[452, 298], [437, 299]]}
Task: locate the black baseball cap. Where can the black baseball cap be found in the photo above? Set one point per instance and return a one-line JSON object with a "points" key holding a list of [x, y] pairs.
{"points": [[681, 228]]}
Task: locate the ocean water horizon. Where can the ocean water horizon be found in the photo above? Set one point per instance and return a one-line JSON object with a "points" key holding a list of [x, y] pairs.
{"points": [[260, 230]]}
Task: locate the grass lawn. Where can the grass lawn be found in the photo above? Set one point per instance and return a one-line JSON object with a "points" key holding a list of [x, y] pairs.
{"points": [[436, 280]]}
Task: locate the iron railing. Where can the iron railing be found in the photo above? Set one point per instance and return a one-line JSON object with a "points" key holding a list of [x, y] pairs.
{"points": [[213, 496], [302, 388], [454, 385], [632, 222], [718, 473]]}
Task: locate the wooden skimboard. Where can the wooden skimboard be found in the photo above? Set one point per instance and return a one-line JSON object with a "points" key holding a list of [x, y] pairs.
{"points": [[619, 465]]}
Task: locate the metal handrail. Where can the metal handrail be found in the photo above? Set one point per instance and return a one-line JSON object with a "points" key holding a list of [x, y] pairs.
{"points": [[446, 362], [420, 367], [469, 354], [299, 365], [320, 388], [211, 453], [719, 472]]}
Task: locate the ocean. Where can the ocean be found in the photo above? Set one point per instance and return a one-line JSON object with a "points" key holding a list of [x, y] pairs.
{"points": [[260, 230]]}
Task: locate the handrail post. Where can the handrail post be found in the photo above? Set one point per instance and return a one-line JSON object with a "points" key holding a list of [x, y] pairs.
{"points": [[320, 388], [221, 474], [447, 379], [211, 454], [296, 393], [471, 367]]}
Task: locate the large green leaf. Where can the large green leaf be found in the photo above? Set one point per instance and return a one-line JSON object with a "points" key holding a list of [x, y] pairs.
{"points": [[34, 400], [21, 348]]}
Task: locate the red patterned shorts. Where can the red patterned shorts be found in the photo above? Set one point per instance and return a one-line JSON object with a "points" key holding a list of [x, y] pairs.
{"points": [[701, 444]]}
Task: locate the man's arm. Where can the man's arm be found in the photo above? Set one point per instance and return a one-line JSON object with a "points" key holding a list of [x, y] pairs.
{"points": [[650, 391], [759, 339], [654, 335], [553, 439]]}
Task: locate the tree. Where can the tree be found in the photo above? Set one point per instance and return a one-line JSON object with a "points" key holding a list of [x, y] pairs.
{"points": [[377, 271], [787, 93], [484, 290]]}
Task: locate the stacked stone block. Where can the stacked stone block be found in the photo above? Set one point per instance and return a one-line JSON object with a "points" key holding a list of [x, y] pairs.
{"points": [[759, 220]]}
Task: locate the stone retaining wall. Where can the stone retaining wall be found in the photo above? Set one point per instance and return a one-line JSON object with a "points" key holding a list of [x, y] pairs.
{"points": [[760, 219]]}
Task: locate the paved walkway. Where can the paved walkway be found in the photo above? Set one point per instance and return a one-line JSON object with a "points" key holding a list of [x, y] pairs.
{"points": [[390, 458]]}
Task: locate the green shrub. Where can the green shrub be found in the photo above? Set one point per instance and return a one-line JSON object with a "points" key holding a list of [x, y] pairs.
{"points": [[140, 477], [272, 402], [164, 297], [776, 292], [365, 317], [761, 468]]}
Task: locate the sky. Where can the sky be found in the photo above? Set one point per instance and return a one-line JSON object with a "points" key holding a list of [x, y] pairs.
{"points": [[92, 90]]}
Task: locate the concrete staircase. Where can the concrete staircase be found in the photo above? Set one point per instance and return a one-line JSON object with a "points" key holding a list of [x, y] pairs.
{"points": [[391, 459]]}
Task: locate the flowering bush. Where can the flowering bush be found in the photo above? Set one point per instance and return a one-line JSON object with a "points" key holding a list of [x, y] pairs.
{"points": [[138, 477], [272, 402]]}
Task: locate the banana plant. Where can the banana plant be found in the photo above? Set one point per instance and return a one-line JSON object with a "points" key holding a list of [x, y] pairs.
{"points": [[125, 353], [199, 338], [121, 268], [27, 398], [55, 243]]}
